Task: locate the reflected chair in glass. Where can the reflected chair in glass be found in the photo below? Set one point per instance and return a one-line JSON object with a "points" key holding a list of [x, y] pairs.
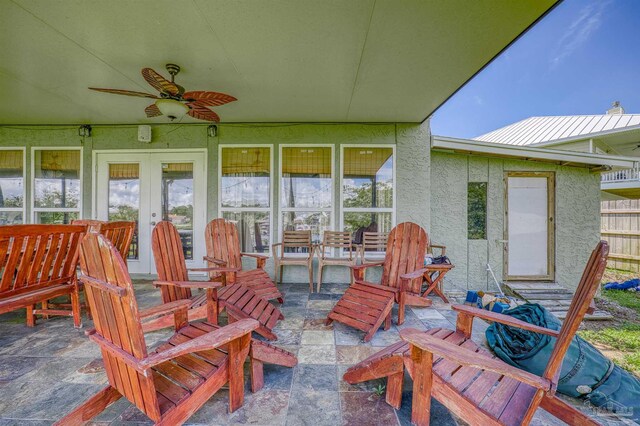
{"points": [[296, 249], [333, 240]]}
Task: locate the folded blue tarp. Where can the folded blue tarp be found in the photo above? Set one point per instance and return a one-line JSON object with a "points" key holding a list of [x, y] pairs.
{"points": [[585, 373], [634, 283]]}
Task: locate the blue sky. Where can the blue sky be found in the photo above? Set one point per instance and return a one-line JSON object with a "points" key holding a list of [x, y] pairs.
{"points": [[582, 56]]}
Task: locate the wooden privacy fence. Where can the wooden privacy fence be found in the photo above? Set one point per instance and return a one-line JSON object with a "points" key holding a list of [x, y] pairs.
{"points": [[620, 227]]}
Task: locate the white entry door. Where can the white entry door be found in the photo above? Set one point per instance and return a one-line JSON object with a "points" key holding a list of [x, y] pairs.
{"points": [[150, 187], [530, 228]]}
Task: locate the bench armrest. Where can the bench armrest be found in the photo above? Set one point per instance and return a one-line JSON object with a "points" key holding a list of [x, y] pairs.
{"points": [[468, 358]]}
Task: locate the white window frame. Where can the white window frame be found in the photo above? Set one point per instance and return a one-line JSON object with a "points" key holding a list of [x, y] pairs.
{"points": [[269, 209], [331, 210], [35, 209], [392, 209], [24, 184]]}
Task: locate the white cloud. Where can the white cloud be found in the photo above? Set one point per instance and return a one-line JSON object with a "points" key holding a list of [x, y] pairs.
{"points": [[587, 22]]}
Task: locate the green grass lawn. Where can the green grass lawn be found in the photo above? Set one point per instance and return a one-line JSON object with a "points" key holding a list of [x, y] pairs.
{"points": [[621, 335]]}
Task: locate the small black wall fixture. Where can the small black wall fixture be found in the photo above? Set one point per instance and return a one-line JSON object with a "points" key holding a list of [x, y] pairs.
{"points": [[84, 130], [212, 131]]}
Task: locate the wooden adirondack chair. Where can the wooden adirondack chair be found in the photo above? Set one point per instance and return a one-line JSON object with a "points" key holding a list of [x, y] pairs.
{"points": [[239, 300], [174, 381], [448, 366], [37, 263], [223, 249], [366, 305]]}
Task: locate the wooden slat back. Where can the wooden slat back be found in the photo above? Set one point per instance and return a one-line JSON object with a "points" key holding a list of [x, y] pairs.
{"points": [[579, 305], [336, 239], [91, 224], [296, 238], [221, 239], [169, 259], [116, 319], [120, 233], [36, 256], [374, 241], [406, 246]]}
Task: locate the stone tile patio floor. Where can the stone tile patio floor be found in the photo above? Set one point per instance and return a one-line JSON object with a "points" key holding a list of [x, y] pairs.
{"points": [[47, 370]]}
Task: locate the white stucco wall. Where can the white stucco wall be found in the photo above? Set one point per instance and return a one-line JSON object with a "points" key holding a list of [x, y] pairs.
{"points": [[576, 217]]}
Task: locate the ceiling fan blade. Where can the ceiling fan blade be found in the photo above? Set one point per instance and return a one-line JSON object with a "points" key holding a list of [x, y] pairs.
{"points": [[152, 111], [208, 98], [125, 92], [160, 83], [202, 113]]}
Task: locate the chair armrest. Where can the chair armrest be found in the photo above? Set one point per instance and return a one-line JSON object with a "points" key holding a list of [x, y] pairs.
{"points": [[255, 255], [468, 358], [214, 269], [208, 341], [214, 260], [366, 265], [261, 259], [413, 275], [503, 319], [166, 308], [189, 284]]}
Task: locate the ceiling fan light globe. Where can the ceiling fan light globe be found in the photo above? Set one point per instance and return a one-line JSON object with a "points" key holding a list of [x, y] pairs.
{"points": [[172, 108]]}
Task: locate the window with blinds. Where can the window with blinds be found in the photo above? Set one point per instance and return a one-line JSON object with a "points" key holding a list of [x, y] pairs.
{"points": [[245, 194], [11, 186], [306, 189], [368, 201], [56, 185]]}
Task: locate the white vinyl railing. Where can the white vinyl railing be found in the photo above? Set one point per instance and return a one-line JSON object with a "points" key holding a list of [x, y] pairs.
{"points": [[622, 175]]}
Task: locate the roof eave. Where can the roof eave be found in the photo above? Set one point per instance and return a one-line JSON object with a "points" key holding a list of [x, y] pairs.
{"points": [[568, 158]]}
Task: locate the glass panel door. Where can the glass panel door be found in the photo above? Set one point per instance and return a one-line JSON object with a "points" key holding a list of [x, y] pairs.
{"points": [[148, 188]]}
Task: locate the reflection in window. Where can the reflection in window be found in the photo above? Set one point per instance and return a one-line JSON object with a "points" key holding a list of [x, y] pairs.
{"points": [[477, 211], [245, 184], [306, 189], [367, 188], [56, 197], [11, 187], [124, 198], [176, 199]]}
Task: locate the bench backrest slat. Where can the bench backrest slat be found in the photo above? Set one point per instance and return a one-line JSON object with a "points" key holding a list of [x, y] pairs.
{"points": [[32, 256]]}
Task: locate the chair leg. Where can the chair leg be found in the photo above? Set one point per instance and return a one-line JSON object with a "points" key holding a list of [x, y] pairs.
{"points": [[319, 277], [401, 307], [31, 318], [75, 309], [310, 267], [257, 375], [394, 389], [238, 350], [422, 381], [91, 407], [45, 306]]}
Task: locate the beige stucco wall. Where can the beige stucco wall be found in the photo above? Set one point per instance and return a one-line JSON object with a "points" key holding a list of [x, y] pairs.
{"points": [[576, 216], [412, 143]]}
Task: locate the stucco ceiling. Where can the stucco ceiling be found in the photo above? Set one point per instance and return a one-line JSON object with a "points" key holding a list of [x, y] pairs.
{"points": [[285, 61]]}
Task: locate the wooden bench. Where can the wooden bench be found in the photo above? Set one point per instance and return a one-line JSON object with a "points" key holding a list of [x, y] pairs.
{"points": [[37, 263]]}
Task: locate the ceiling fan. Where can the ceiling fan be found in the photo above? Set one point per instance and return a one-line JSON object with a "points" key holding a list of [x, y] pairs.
{"points": [[173, 101]]}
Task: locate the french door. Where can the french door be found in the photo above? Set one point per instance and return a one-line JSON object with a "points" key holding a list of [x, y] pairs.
{"points": [[147, 187], [530, 228]]}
